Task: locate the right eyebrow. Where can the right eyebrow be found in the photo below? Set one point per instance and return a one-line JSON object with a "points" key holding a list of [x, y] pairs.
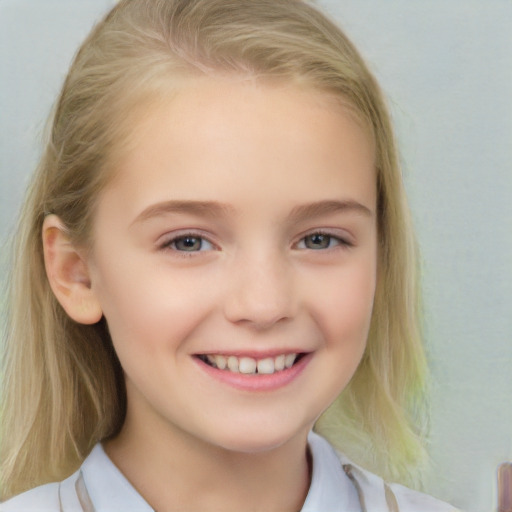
{"points": [[200, 208]]}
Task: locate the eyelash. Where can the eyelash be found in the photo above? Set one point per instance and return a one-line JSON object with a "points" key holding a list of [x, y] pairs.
{"points": [[170, 245]]}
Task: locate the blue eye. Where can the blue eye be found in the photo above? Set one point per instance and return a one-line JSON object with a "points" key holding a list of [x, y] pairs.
{"points": [[319, 241], [189, 243]]}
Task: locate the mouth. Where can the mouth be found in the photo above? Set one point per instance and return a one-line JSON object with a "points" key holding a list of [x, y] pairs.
{"points": [[252, 366]]}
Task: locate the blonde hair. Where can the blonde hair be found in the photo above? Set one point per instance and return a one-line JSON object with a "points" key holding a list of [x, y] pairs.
{"points": [[63, 388]]}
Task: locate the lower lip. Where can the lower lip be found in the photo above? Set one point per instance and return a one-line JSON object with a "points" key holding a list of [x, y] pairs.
{"points": [[256, 382]]}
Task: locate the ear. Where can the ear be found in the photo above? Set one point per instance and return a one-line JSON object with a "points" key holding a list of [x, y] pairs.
{"points": [[68, 274]]}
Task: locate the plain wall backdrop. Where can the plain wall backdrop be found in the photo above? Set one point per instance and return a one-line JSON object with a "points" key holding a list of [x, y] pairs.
{"points": [[445, 66]]}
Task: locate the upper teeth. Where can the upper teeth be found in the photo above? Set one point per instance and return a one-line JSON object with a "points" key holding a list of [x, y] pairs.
{"points": [[249, 365]]}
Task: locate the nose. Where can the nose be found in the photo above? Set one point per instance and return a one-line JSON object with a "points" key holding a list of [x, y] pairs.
{"points": [[261, 292]]}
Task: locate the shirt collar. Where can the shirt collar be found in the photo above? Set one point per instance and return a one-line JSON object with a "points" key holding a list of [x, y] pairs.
{"points": [[330, 488], [107, 487]]}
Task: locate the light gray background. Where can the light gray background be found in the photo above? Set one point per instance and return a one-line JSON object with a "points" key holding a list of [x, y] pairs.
{"points": [[446, 68]]}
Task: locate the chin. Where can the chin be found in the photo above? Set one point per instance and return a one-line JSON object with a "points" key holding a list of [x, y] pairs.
{"points": [[261, 438]]}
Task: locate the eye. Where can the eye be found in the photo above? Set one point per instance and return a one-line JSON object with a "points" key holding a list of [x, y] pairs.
{"points": [[189, 243], [318, 241]]}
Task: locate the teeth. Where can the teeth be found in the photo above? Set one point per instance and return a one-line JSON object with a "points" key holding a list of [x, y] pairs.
{"points": [[247, 365], [279, 363], [266, 365], [221, 362], [233, 364], [289, 360], [251, 366]]}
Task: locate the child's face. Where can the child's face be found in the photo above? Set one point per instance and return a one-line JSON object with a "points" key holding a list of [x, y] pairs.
{"points": [[241, 226]]}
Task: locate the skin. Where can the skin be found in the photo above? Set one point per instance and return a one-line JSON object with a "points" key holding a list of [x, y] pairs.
{"points": [[258, 280]]}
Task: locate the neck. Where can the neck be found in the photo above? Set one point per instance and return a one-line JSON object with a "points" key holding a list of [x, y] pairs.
{"points": [[173, 471]]}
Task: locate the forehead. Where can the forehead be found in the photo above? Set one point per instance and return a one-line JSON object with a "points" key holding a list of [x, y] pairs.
{"points": [[224, 137]]}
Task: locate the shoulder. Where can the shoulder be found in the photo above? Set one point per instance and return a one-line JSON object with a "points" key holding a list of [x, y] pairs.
{"points": [[96, 485], [40, 499], [375, 494], [397, 497], [408, 499], [53, 497]]}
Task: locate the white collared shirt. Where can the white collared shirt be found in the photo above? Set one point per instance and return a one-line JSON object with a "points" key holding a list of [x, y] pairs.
{"points": [[337, 485]]}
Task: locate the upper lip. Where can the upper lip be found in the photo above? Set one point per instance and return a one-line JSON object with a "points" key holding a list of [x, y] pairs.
{"points": [[254, 354]]}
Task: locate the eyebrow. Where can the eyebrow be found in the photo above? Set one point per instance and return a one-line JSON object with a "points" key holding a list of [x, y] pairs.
{"points": [[317, 209], [216, 210], [200, 208]]}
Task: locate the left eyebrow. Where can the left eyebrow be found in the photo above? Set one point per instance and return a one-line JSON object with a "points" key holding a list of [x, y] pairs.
{"points": [[321, 208], [199, 208]]}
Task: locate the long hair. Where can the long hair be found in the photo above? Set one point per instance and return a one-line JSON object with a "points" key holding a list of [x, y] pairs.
{"points": [[63, 389]]}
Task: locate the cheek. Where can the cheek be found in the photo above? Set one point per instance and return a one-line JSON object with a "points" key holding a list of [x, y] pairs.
{"points": [[351, 312], [345, 303], [148, 308]]}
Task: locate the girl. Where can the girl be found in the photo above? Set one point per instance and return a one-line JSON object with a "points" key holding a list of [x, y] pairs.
{"points": [[214, 258]]}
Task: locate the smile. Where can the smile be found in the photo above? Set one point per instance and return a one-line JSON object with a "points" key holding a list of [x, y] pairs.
{"points": [[249, 365]]}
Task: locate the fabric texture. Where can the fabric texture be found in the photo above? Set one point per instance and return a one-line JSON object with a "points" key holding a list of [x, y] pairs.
{"points": [[337, 485]]}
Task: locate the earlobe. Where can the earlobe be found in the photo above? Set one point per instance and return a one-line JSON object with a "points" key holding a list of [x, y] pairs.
{"points": [[68, 274]]}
